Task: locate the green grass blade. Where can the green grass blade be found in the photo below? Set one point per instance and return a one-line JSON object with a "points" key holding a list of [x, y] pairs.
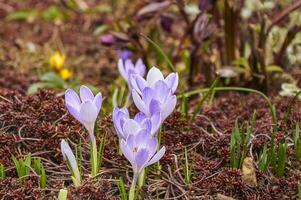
{"points": [[161, 52]]}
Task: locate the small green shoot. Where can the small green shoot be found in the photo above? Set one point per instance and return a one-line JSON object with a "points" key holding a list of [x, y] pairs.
{"points": [[297, 143], [121, 188], [161, 52], [238, 146], [281, 159], [63, 194], [187, 171], [40, 171], [22, 166], [184, 106], [2, 172], [263, 160]]}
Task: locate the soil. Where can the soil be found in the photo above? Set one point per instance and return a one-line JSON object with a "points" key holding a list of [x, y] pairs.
{"points": [[35, 124]]}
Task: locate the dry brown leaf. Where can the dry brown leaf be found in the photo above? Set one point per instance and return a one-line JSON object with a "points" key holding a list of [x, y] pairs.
{"points": [[223, 197], [248, 172]]}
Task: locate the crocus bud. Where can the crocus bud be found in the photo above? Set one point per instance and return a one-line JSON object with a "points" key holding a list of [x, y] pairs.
{"points": [[127, 68], [107, 39], [125, 55], [166, 22], [71, 160]]}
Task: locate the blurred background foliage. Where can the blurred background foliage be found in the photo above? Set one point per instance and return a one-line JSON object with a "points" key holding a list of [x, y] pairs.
{"points": [[249, 43]]}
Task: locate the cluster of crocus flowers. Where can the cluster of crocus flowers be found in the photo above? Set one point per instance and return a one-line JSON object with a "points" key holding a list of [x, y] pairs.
{"points": [[57, 61], [85, 108], [155, 93], [155, 99]]}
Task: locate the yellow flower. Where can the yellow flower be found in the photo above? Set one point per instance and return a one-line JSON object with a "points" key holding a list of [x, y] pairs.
{"points": [[57, 60], [65, 74]]}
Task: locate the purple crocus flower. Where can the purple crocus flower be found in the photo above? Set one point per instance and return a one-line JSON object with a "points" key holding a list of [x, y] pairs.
{"points": [[84, 108], [125, 55], [126, 126], [158, 98], [153, 76], [107, 39], [141, 151], [127, 68]]}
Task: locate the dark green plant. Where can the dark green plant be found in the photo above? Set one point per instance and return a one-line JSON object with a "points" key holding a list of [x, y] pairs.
{"points": [[238, 145], [281, 159], [263, 160], [297, 143], [40, 171], [22, 166]]}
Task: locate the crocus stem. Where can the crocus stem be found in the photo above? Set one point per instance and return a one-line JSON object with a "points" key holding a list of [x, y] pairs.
{"points": [[132, 189], [141, 178], [94, 158]]}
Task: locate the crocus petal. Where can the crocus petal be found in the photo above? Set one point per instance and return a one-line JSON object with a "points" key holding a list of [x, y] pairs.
{"points": [[129, 67], [131, 127], [130, 142], [147, 95], [152, 146], [98, 101], [138, 83], [126, 151], [154, 107], [86, 94], [139, 117], [139, 103], [156, 123], [146, 124], [73, 111], [161, 91], [141, 138], [157, 156], [172, 80], [88, 113], [72, 99], [140, 67], [141, 159], [153, 76], [121, 69], [169, 106]]}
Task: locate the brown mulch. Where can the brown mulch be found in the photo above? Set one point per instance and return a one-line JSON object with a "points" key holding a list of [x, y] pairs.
{"points": [[37, 123]]}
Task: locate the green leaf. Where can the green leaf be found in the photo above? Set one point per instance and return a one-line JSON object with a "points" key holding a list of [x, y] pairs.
{"points": [[161, 52], [263, 160], [100, 29], [121, 188], [22, 15], [281, 161], [2, 172], [274, 68], [43, 178], [53, 13], [184, 106], [54, 79]]}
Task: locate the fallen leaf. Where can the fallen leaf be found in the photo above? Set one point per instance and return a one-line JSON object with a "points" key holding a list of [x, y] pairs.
{"points": [[223, 197], [248, 172]]}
